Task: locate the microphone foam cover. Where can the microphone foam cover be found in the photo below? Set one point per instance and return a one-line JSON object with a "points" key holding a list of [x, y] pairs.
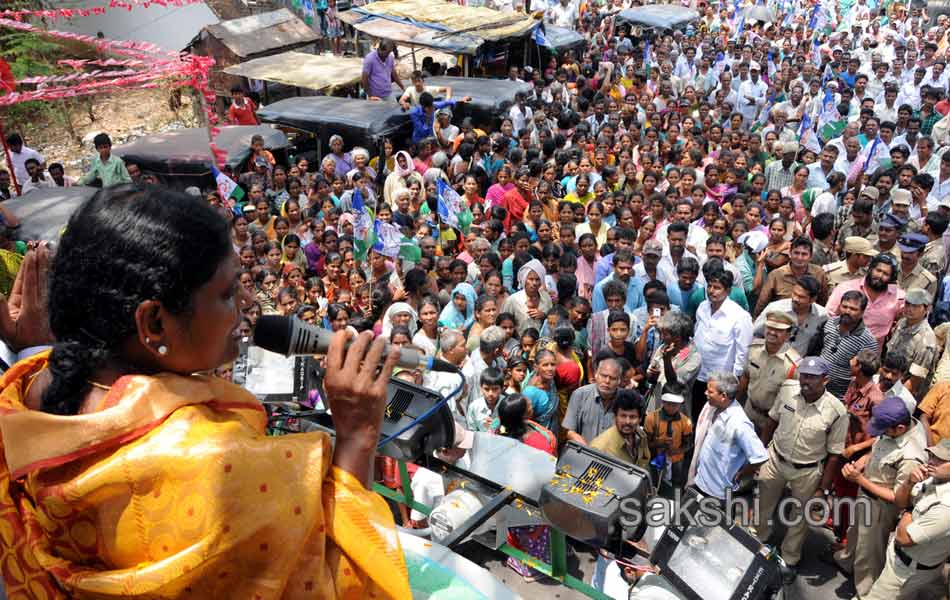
{"points": [[273, 333]]}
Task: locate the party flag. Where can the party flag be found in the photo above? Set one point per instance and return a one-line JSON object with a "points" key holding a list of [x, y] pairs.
{"points": [[364, 235], [227, 187]]}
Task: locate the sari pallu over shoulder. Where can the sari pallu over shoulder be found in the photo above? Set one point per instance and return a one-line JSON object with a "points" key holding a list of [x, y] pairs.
{"points": [[173, 490]]}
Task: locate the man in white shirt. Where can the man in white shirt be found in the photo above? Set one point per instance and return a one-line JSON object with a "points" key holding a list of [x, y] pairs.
{"points": [[686, 64], [19, 153], [752, 94], [819, 170], [36, 179], [910, 91], [886, 106], [520, 113], [562, 14], [723, 330]]}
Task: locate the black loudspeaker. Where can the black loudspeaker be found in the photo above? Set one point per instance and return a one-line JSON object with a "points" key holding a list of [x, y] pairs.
{"points": [[587, 494], [406, 402], [707, 557]]}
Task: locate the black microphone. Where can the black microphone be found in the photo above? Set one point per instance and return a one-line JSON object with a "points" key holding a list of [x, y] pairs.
{"points": [[290, 336]]}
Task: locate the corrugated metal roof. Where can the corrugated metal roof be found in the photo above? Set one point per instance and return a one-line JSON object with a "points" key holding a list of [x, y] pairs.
{"points": [[252, 35]]}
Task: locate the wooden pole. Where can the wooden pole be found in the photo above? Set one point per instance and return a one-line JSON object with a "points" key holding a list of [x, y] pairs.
{"points": [[9, 157]]}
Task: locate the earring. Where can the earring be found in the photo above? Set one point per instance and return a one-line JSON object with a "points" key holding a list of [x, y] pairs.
{"points": [[148, 341], [163, 350]]}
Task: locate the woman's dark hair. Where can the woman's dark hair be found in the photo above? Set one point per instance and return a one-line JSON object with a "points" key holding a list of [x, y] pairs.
{"points": [[493, 259], [124, 246], [482, 300], [505, 316], [381, 298], [290, 238], [416, 281], [511, 415], [334, 310], [397, 329]]}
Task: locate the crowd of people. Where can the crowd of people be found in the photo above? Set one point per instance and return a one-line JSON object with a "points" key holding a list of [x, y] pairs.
{"points": [[720, 255]]}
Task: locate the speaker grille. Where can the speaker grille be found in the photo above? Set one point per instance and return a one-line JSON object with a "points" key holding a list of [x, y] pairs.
{"points": [[398, 405], [593, 477]]}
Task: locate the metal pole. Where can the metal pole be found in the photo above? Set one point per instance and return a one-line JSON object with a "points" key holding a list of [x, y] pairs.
{"points": [[9, 157]]}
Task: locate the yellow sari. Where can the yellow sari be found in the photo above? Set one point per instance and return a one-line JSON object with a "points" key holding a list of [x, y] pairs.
{"points": [[171, 489]]}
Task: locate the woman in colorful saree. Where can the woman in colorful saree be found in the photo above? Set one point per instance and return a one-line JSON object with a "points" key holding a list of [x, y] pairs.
{"points": [[124, 475]]}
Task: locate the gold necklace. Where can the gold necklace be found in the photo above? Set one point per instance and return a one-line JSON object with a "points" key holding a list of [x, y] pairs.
{"points": [[98, 385]]}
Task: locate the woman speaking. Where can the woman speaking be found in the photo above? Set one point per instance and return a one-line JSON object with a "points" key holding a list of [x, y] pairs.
{"points": [[127, 476]]}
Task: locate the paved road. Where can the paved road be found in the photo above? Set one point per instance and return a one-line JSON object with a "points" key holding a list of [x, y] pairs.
{"points": [[817, 580]]}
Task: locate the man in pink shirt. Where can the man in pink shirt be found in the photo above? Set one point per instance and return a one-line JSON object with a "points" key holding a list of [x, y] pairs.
{"points": [[885, 298]]}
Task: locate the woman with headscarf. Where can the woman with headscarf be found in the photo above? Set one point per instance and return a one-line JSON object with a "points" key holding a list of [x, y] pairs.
{"points": [[400, 313], [459, 313], [399, 178], [531, 302]]}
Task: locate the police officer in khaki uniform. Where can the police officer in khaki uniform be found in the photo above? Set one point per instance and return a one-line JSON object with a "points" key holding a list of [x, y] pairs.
{"points": [[913, 275], [934, 256], [900, 205], [913, 336], [806, 437], [771, 361], [889, 231], [921, 544], [858, 253], [896, 453]]}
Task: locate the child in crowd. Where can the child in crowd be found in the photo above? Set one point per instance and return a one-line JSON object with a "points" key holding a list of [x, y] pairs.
{"points": [[670, 436], [107, 168], [481, 411]]}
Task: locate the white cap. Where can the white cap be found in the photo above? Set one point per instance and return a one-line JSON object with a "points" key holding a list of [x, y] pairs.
{"points": [[672, 398], [754, 66]]}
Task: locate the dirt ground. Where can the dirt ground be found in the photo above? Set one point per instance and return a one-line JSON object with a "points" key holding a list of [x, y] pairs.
{"points": [[125, 116]]}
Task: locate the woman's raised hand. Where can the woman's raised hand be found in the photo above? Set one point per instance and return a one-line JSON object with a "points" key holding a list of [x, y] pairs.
{"points": [[356, 382]]}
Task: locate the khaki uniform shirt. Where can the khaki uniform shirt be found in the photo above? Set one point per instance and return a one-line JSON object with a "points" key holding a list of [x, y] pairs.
{"points": [[837, 272], [934, 258], [807, 432], [942, 369], [921, 278], [919, 343], [782, 281], [805, 332], [895, 251], [849, 229], [930, 527], [822, 254], [766, 374], [892, 460]]}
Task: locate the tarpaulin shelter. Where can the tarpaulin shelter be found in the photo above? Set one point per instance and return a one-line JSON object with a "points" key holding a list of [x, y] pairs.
{"points": [[656, 18], [477, 33], [301, 71]]}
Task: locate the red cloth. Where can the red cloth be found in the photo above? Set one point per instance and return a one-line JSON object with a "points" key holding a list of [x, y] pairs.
{"points": [[244, 114], [515, 204], [567, 374]]}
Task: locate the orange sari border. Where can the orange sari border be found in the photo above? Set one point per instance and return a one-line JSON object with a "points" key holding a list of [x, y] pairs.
{"points": [[35, 440]]}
